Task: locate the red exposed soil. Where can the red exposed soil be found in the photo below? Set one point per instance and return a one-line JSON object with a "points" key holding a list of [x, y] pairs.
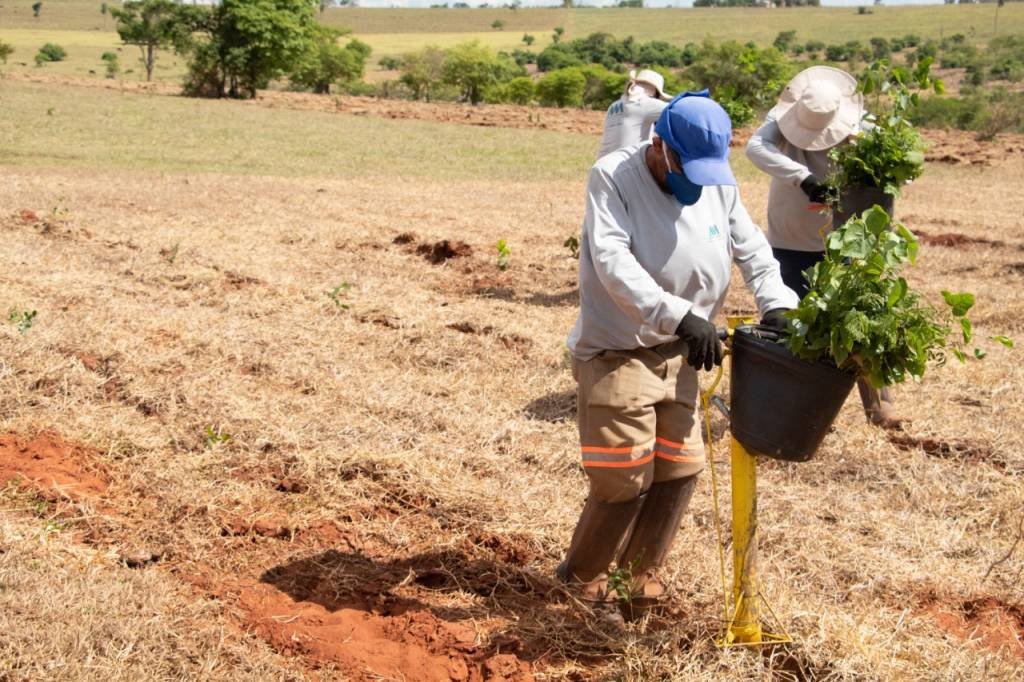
{"points": [[411, 644], [964, 451], [984, 621], [53, 467]]}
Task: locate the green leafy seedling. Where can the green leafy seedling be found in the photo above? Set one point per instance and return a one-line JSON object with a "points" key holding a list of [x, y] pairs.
{"points": [[620, 581], [22, 319], [338, 293], [215, 437], [504, 254]]}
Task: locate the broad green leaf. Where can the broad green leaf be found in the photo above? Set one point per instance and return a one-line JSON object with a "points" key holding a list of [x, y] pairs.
{"points": [[876, 219], [960, 303], [980, 354]]}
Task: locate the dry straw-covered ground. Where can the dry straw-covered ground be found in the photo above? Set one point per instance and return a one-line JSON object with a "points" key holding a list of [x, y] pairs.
{"points": [[265, 426]]}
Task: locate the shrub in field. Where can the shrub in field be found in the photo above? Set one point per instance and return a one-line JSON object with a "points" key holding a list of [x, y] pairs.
{"points": [[519, 90], [50, 52], [784, 40], [389, 62], [861, 314], [326, 62], [911, 40], [741, 73], [474, 69], [113, 64], [562, 88], [601, 87], [557, 56], [153, 25], [658, 53], [422, 70], [739, 113], [880, 48], [6, 50], [244, 44], [523, 57]]}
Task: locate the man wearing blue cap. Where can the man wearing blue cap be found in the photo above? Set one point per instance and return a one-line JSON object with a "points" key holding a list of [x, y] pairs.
{"points": [[663, 226]]}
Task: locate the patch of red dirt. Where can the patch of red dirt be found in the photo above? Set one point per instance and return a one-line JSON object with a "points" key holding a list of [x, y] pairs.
{"points": [[50, 465], [415, 646], [984, 621], [964, 451]]}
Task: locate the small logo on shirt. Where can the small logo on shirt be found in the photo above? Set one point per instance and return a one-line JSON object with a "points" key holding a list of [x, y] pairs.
{"points": [[713, 232]]}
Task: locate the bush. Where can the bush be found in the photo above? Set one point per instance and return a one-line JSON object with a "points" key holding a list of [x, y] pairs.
{"points": [[358, 89], [327, 63], [523, 57], [6, 50], [50, 52], [557, 56], [739, 113], [784, 40], [474, 69], [562, 88], [602, 87], [880, 48], [519, 90], [741, 73], [911, 40], [390, 63], [422, 71], [658, 53], [113, 64]]}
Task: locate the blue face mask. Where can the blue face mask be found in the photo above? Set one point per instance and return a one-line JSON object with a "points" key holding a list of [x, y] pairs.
{"points": [[685, 192]]}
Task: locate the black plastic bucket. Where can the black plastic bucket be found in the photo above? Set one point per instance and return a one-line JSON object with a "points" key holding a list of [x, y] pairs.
{"points": [[855, 200], [782, 406]]}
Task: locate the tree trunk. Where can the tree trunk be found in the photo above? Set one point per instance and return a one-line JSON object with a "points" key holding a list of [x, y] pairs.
{"points": [[150, 60]]}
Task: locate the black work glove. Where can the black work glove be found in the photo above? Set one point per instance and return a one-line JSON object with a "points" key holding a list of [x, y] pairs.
{"points": [[815, 191], [776, 319], [703, 347]]}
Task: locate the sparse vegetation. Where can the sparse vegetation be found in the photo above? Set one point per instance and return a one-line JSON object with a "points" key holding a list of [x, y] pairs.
{"points": [[50, 52], [22, 319]]}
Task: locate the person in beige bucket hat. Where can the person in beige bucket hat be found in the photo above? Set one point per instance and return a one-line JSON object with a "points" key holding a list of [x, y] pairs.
{"points": [[630, 119], [818, 110]]}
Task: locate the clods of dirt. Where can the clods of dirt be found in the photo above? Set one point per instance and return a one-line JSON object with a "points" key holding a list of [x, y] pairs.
{"points": [[954, 239], [140, 556], [404, 238], [55, 468], [444, 250], [266, 526], [510, 341], [956, 450]]}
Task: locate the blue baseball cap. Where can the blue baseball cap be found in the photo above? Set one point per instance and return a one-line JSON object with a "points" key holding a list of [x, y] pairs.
{"points": [[697, 128]]}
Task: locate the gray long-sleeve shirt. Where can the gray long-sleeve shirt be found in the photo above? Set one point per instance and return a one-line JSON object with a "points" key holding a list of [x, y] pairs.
{"points": [[629, 122], [793, 223], [646, 261]]}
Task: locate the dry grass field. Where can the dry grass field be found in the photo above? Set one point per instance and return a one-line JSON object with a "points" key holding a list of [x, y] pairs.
{"points": [[267, 424]]}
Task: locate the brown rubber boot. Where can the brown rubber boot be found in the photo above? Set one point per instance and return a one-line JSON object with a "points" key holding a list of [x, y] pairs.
{"points": [[879, 405], [597, 538], [652, 536]]}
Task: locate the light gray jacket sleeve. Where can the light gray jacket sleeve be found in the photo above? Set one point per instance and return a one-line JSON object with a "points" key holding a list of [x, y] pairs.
{"points": [[607, 228], [763, 151], [753, 255]]}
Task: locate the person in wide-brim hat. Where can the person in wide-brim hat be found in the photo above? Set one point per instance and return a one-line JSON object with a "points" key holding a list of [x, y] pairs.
{"points": [[630, 119], [818, 110]]}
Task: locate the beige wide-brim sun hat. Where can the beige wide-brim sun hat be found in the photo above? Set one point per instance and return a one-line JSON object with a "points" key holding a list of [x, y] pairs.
{"points": [[652, 78], [819, 108]]}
